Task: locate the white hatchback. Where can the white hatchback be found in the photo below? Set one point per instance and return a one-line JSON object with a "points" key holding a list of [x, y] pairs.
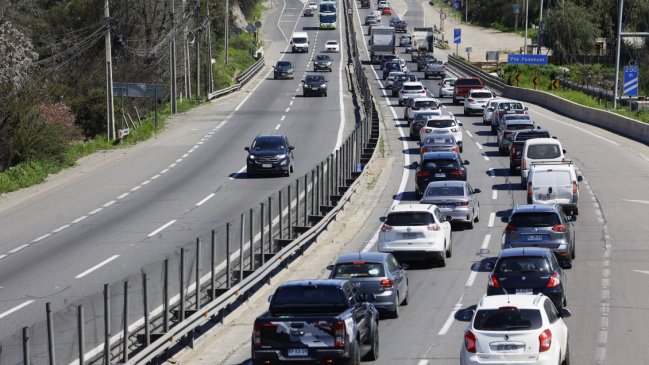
{"points": [[476, 100], [416, 232], [540, 149], [516, 329], [410, 89], [442, 124]]}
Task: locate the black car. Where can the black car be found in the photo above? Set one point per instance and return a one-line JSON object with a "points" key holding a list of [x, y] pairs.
{"points": [[309, 12], [283, 70], [322, 62], [389, 67], [518, 142], [399, 80], [528, 270], [422, 62], [314, 85], [269, 153], [387, 58], [437, 166], [401, 26], [365, 4]]}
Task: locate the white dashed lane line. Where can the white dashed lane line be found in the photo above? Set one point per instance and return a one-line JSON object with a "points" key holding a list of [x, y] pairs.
{"points": [[278, 126], [16, 308], [79, 219], [95, 211], [61, 228], [161, 228], [492, 218], [155, 176], [479, 145], [135, 188], [494, 194], [96, 266], [485, 242], [288, 109], [123, 196], [469, 133], [41, 237], [108, 204], [19, 248], [238, 172], [282, 118]]}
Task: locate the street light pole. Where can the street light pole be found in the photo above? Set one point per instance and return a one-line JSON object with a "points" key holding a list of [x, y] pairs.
{"points": [[527, 8], [466, 11], [538, 41], [617, 52]]}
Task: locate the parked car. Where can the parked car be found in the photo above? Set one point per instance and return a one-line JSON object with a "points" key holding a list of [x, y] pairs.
{"points": [[456, 199], [316, 321], [283, 70], [476, 100], [541, 225], [314, 85], [411, 89], [507, 128], [446, 87], [518, 142], [416, 232], [554, 183], [514, 327], [462, 87], [375, 273], [322, 62], [540, 149], [269, 153], [443, 124], [438, 143], [419, 104], [438, 166], [332, 46]]}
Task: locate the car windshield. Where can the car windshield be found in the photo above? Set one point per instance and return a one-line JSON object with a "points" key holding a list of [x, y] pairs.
{"points": [[520, 136], [507, 319], [535, 219], [439, 163], [307, 298], [409, 219], [425, 104], [322, 58], [299, 40], [441, 123], [358, 269], [283, 64], [261, 144], [392, 66], [445, 191], [314, 78], [439, 140], [543, 151], [522, 264], [481, 95]]}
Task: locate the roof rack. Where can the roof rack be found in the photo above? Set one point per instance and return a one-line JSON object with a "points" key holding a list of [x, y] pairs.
{"points": [[564, 162]]}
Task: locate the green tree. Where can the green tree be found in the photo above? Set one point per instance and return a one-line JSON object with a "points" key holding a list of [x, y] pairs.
{"points": [[570, 31]]}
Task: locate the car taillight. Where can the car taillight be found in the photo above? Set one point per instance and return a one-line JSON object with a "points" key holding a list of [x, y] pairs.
{"points": [[493, 282], [427, 130], [575, 187], [529, 189], [510, 228], [471, 100], [545, 340], [554, 281], [512, 150], [257, 333], [559, 228], [523, 164], [469, 341], [506, 134], [386, 228], [424, 149], [455, 149], [339, 333], [423, 173], [433, 227], [456, 172], [386, 284]]}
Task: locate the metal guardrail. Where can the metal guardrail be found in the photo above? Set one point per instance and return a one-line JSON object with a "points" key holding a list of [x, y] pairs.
{"points": [[495, 83], [242, 79]]}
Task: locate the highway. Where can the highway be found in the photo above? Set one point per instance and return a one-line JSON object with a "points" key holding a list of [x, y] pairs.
{"points": [[63, 241]]}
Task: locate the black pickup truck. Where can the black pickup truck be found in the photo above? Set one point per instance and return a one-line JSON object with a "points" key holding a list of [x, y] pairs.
{"points": [[518, 143], [317, 321]]}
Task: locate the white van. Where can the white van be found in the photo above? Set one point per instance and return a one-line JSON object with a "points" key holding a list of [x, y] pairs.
{"points": [[540, 149], [300, 42], [554, 183]]}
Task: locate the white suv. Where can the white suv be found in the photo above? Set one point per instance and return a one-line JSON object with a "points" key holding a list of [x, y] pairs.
{"points": [[516, 329], [416, 232], [443, 124], [476, 100], [410, 89], [540, 149]]}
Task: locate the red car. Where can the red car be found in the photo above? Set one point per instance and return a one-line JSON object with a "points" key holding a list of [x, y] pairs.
{"points": [[387, 11]]}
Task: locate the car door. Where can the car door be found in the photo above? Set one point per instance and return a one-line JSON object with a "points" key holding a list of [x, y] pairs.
{"points": [[360, 311], [397, 275], [446, 225], [472, 199], [556, 324]]}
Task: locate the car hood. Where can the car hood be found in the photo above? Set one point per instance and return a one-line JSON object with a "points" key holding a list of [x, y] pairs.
{"points": [[443, 199], [314, 83], [283, 68]]}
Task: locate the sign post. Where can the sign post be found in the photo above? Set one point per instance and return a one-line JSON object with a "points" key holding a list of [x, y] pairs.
{"points": [[631, 74], [457, 39]]}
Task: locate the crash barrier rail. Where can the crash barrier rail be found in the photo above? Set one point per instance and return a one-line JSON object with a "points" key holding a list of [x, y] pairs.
{"points": [[168, 304], [613, 122], [242, 79]]}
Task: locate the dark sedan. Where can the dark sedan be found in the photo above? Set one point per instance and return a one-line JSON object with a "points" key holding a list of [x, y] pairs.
{"points": [[399, 80], [283, 70], [437, 166], [314, 85], [438, 143], [322, 62]]}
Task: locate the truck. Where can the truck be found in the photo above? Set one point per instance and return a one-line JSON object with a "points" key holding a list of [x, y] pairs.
{"points": [[435, 68], [382, 42], [316, 321], [300, 42], [423, 41]]}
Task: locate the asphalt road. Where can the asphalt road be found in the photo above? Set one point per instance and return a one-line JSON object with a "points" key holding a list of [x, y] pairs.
{"points": [[66, 241]]}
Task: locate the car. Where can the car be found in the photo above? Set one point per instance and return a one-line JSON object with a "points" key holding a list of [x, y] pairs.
{"points": [[541, 225], [423, 61], [283, 70], [332, 46], [322, 62], [312, 5], [518, 142], [314, 85], [410, 89], [408, 48], [394, 21], [419, 104], [401, 27], [308, 12], [399, 81], [386, 10], [488, 110], [528, 270], [516, 329], [376, 273], [507, 128], [540, 149], [419, 120], [476, 100], [386, 59], [438, 143], [455, 199], [416, 232], [269, 154], [372, 19], [405, 40], [435, 68], [438, 166], [505, 107], [446, 87], [391, 67], [554, 183], [462, 87], [365, 4], [390, 80], [443, 124]]}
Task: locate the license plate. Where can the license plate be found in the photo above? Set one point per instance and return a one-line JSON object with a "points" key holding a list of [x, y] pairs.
{"points": [[543, 196], [507, 347], [534, 237], [409, 235], [266, 165], [440, 175], [524, 291], [314, 88], [298, 352]]}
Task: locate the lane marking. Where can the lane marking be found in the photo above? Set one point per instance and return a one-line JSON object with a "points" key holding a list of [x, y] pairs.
{"points": [[164, 171], [19, 248], [204, 200], [287, 110], [136, 188], [3, 256], [634, 201], [282, 118], [494, 194], [61, 228], [642, 271], [492, 218], [471, 279], [123, 196], [41, 237], [486, 158], [79, 219], [185, 155], [238, 172], [422, 362], [278, 125], [16, 308], [485, 242], [290, 103], [109, 203], [155, 176], [161, 228], [96, 266], [449, 320], [580, 129], [96, 211], [469, 133], [492, 172], [146, 182]]}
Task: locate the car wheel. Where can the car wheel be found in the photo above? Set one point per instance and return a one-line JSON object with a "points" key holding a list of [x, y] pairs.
{"points": [[461, 149], [449, 250], [573, 255], [476, 218], [512, 169], [405, 300], [442, 257], [325, 94], [455, 101], [287, 172], [426, 77], [251, 175], [292, 169], [373, 353], [355, 358], [470, 224], [395, 313], [566, 360]]}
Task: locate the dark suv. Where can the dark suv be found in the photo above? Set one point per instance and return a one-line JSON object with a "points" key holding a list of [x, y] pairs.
{"points": [[541, 225], [437, 166], [283, 70], [518, 142], [270, 153], [314, 85]]}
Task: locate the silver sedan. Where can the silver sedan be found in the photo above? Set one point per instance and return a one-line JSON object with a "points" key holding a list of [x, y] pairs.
{"points": [[455, 199]]}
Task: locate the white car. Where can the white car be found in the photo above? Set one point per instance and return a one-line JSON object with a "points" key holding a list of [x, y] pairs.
{"points": [[441, 125], [416, 232], [312, 5], [332, 46], [382, 5], [489, 109], [390, 80], [446, 87], [540, 149], [476, 100], [419, 104], [410, 89], [516, 329], [554, 183]]}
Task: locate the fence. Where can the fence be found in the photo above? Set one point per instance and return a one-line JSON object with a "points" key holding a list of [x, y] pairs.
{"points": [[170, 303], [242, 79]]}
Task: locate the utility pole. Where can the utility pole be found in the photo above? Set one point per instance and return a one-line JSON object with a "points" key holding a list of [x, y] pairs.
{"points": [[617, 52], [466, 11], [527, 8], [227, 28], [210, 77], [174, 90], [185, 54], [198, 63], [538, 42], [110, 110]]}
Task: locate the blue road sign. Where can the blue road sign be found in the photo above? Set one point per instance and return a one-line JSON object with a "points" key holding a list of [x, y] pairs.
{"points": [[457, 35], [527, 59], [630, 81]]}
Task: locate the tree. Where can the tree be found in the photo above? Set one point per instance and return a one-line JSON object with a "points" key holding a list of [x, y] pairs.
{"points": [[570, 31]]}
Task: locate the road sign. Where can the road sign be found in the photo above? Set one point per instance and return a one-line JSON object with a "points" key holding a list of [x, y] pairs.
{"points": [[257, 24], [468, 50], [527, 59], [457, 35], [536, 80], [554, 84], [250, 28], [630, 81], [518, 77], [442, 16], [132, 90], [516, 8]]}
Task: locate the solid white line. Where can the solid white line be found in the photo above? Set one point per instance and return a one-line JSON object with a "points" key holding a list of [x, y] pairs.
{"points": [[278, 125], [41, 237], [471, 279], [161, 228], [61, 228], [95, 211], [485, 242], [479, 145], [96, 266], [204, 200], [492, 218], [109, 203], [494, 194], [135, 188], [79, 219], [449, 320], [16, 308], [282, 118], [123, 195], [19, 248], [469, 133]]}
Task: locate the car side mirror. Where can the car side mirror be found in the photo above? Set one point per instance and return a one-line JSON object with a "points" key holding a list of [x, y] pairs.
{"points": [[460, 123], [554, 137], [247, 149], [466, 162], [330, 267], [565, 264], [489, 266], [415, 164], [449, 218], [291, 148], [477, 191], [580, 178], [564, 151], [504, 219], [565, 313], [369, 297], [291, 42], [525, 108], [382, 219], [270, 297], [404, 266], [538, 127]]}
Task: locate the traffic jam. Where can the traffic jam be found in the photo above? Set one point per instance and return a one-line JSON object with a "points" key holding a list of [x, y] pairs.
{"points": [[520, 318]]}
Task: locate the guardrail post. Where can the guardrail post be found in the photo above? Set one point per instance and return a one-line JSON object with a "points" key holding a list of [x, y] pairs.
{"points": [[297, 201], [313, 190], [228, 281], [261, 234], [270, 224], [165, 296], [125, 324], [50, 334], [197, 293], [145, 304], [213, 265], [26, 350], [181, 314], [330, 184], [289, 206], [241, 237], [320, 196], [107, 323], [251, 231], [281, 215], [306, 198], [80, 330]]}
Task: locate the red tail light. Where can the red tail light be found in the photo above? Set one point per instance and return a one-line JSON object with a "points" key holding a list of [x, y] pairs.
{"points": [[433, 227], [523, 164], [427, 130], [512, 150], [386, 228], [470, 100], [510, 228], [257, 333], [386, 284], [469, 341], [423, 173], [529, 189], [554, 281], [545, 340], [575, 187], [339, 333], [456, 172], [493, 282], [559, 228], [424, 149], [455, 149]]}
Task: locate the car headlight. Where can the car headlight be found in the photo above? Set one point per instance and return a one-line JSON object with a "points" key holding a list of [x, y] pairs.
{"points": [[281, 156], [323, 85], [252, 157]]}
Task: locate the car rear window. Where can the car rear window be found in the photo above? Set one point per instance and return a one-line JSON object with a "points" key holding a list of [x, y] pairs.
{"points": [[522, 265], [468, 82], [423, 116], [519, 126], [481, 95], [440, 123], [359, 269], [306, 299], [517, 117], [551, 178], [509, 106], [535, 219], [543, 151], [530, 135], [507, 319], [426, 104], [412, 87], [445, 191], [409, 219], [439, 163]]}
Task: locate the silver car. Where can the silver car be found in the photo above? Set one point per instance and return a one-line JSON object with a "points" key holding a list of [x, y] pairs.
{"points": [[446, 87], [376, 273], [476, 100], [456, 199], [488, 110], [438, 143]]}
